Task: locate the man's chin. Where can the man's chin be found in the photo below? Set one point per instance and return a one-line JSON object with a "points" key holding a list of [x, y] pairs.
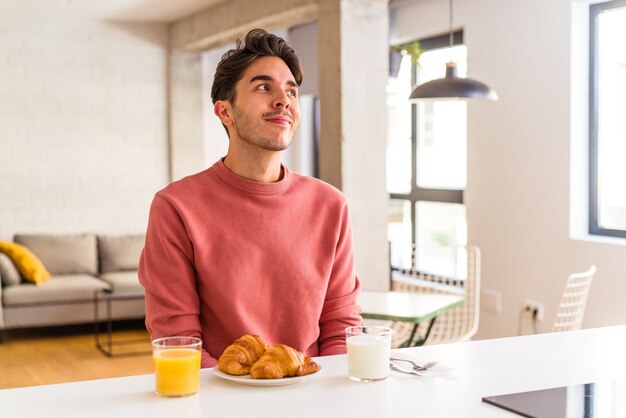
{"points": [[268, 143], [276, 148], [275, 145]]}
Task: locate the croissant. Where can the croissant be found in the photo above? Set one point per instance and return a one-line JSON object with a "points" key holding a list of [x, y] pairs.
{"points": [[282, 361], [241, 355]]}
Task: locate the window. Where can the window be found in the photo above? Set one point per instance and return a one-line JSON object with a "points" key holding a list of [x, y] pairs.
{"points": [[426, 156], [607, 119]]}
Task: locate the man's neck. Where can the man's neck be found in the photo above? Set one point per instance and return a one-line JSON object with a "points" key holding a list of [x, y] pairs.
{"points": [[261, 167]]}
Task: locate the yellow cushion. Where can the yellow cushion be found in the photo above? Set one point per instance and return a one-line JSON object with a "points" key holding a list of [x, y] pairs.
{"points": [[30, 267]]}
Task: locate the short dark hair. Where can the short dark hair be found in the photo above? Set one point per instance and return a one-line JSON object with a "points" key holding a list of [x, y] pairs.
{"points": [[258, 43]]}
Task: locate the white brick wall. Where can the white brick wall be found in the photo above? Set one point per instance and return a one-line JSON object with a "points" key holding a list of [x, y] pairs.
{"points": [[83, 124]]}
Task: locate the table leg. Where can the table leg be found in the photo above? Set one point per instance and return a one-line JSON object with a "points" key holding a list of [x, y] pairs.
{"points": [[430, 327], [109, 329], [108, 347], [407, 343], [419, 341], [96, 320]]}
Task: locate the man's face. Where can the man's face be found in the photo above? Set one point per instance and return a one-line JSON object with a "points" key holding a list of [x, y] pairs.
{"points": [[266, 112]]}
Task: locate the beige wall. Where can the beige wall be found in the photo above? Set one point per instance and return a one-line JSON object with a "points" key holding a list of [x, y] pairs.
{"points": [[83, 142], [520, 175]]}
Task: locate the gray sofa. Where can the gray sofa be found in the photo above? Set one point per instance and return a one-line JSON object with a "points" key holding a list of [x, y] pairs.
{"points": [[80, 265]]}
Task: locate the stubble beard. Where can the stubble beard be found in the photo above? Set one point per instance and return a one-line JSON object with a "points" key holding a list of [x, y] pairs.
{"points": [[246, 132]]}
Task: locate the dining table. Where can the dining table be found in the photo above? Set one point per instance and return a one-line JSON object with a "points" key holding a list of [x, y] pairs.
{"points": [[412, 307], [466, 373]]}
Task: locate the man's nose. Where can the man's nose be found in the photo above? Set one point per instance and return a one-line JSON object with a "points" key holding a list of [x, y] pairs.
{"points": [[281, 100]]}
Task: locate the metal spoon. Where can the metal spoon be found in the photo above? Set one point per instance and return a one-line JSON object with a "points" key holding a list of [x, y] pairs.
{"points": [[416, 366], [400, 369]]}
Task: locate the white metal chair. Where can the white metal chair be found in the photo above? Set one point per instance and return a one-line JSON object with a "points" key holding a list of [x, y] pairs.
{"points": [[457, 324], [574, 301]]}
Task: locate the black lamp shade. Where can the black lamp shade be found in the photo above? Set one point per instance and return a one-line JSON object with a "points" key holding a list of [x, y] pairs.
{"points": [[452, 87]]}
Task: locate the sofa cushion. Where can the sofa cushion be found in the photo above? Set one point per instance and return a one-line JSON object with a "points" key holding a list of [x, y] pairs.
{"points": [[29, 266], [75, 287], [64, 254], [122, 280], [8, 272], [120, 253]]}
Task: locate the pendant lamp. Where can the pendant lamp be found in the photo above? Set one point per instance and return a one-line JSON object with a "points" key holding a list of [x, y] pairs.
{"points": [[452, 87]]}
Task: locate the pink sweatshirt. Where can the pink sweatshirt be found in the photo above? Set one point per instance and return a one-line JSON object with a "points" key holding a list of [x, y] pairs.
{"points": [[225, 257]]}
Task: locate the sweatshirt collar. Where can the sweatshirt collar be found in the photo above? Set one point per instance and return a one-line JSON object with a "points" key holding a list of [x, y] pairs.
{"points": [[250, 186]]}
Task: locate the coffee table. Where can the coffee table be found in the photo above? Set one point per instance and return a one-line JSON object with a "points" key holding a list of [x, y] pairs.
{"points": [[108, 297]]}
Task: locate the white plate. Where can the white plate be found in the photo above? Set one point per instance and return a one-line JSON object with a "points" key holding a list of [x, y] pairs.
{"points": [[247, 380]]}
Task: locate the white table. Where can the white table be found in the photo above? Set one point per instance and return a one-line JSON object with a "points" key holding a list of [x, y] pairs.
{"points": [[454, 388], [407, 307]]}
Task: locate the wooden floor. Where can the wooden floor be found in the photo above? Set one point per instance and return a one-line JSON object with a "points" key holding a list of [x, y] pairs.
{"points": [[68, 354]]}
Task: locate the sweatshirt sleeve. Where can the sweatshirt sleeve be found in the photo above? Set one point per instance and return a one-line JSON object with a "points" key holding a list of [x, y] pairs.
{"points": [[340, 308], [168, 276]]}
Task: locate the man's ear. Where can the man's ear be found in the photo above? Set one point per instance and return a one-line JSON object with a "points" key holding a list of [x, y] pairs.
{"points": [[224, 111]]}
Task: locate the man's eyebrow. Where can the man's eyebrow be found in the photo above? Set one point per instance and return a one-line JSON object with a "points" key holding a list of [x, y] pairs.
{"points": [[268, 78]]}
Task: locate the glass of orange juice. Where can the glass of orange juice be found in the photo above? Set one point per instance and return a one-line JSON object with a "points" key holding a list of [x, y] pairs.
{"points": [[177, 365]]}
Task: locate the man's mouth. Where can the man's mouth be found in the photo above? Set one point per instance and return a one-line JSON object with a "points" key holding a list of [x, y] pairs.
{"points": [[279, 119]]}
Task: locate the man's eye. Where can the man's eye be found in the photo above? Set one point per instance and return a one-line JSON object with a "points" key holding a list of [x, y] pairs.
{"points": [[263, 87], [292, 93]]}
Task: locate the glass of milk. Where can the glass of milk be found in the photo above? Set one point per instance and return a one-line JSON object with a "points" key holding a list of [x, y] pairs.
{"points": [[369, 349]]}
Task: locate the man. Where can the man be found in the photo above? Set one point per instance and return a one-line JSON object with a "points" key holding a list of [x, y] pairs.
{"points": [[247, 246]]}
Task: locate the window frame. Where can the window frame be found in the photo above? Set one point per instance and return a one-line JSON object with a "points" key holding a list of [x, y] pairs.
{"points": [[594, 224], [420, 194]]}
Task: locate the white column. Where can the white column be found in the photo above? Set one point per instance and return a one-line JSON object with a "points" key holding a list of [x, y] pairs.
{"points": [[353, 52], [186, 114]]}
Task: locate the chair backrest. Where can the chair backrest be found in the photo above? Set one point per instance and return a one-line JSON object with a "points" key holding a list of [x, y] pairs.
{"points": [[457, 324], [574, 301]]}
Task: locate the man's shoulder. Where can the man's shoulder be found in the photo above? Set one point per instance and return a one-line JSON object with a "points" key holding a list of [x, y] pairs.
{"points": [[318, 187], [187, 184]]}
